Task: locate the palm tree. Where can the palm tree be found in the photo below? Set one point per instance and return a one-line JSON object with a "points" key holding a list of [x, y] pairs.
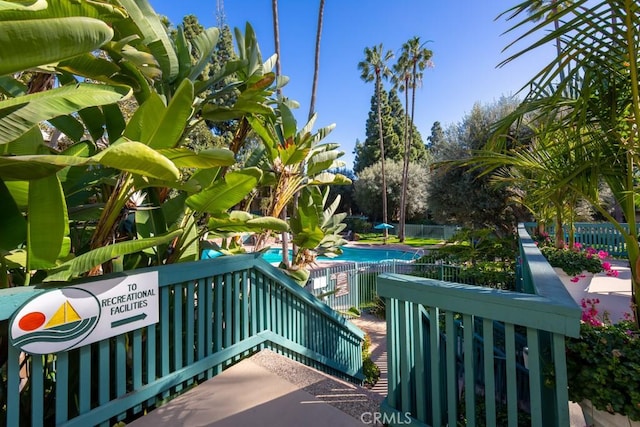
{"points": [[276, 39], [413, 60], [549, 174], [276, 42], [374, 68], [598, 97], [541, 9], [316, 62]]}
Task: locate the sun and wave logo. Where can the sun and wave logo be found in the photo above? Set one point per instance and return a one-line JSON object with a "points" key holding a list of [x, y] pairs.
{"points": [[55, 321]]}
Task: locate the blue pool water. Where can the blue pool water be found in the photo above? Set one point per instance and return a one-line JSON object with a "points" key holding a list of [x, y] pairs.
{"points": [[350, 254]]}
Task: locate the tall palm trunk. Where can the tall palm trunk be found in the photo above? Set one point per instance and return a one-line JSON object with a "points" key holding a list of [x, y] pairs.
{"points": [[556, 25], [316, 64], [405, 167], [384, 176], [276, 39], [276, 42], [407, 152]]}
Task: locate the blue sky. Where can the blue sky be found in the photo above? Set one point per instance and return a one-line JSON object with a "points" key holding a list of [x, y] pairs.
{"points": [[465, 39]]}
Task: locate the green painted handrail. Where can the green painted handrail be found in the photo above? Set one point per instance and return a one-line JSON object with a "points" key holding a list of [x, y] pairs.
{"points": [[212, 313], [431, 365]]}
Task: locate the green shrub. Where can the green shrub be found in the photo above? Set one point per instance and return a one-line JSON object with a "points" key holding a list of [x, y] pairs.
{"points": [[603, 365], [370, 370], [378, 308], [358, 225], [573, 261]]}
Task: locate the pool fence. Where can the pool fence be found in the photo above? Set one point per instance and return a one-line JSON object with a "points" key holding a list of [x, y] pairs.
{"points": [[348, 287], [443, 232]]}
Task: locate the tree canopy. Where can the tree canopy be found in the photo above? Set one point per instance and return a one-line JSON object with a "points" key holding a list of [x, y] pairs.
{"points": [[461, 194], [393, 115], [368, 193]]}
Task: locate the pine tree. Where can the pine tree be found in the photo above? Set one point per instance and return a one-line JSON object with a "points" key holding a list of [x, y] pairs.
{"points": [[393, 116], [368, 152], [208, 134]]}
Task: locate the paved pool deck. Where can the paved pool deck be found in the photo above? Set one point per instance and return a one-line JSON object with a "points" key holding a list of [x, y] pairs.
{"points": [[614, 293]]}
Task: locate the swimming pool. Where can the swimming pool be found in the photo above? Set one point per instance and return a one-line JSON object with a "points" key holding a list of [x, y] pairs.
{"points": [[351, 254]]}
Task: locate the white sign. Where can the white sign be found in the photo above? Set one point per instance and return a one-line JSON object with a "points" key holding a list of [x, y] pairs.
{"points": [[320, 282], [77, 315]]}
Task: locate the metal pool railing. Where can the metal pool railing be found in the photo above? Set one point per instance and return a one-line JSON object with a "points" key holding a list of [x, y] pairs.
{"points": [[345, 286], [442, 232]]}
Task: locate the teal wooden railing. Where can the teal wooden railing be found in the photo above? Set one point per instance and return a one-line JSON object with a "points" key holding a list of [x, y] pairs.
{"points": [[455, 352], [600, 235], [212, 313]]}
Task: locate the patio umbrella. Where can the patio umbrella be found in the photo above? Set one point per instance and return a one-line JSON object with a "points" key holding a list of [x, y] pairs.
{"points": [[382, 226]]}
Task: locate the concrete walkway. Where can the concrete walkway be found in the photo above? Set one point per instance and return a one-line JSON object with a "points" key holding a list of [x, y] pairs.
{"points": [[248, 394], [377, 330], [269, 389]]}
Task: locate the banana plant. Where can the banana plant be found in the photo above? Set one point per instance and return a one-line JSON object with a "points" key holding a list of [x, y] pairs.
{"points": [[316, 231], [592, 88], [139, 56], [293, 161]]}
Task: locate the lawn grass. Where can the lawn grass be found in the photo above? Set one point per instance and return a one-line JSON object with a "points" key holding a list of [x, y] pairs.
{"points": [[377, 238]]}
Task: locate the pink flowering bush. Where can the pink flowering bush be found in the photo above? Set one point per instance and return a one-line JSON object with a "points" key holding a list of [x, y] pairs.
{"points": [[603, 363], [579, 259]]}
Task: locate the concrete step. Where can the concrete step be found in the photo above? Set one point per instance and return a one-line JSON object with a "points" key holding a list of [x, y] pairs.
{"points": [[267, 390]]}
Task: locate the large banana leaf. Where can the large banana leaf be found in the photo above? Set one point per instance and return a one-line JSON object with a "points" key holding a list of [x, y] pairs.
{"points": [[23, 5], [19, 191], [29, 143], [12, 87], [227, 192], [94, 121], [288, 121], [19, 115], [169, 127], [138, 158], [322, 161], [241, 221], [48, 224], [68, 125], [141, 126], [83, 263], [183, 52], [130, 156], [144, 62], [203, 178], [154, 34], [114, 121], [25, 168], [327, 178], [13, 227], [205, 159], [204, 44], [64, 8], [90, 66], [22, 42], [189, 245]]}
